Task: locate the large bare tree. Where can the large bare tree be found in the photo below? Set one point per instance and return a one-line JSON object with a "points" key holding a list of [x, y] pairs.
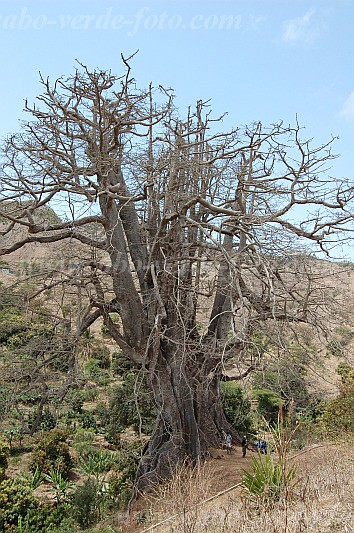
{"points": [[183, 232]]}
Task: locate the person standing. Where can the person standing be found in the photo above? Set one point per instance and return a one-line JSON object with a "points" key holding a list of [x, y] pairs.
{"points": [[228, 441], [244, 446]]}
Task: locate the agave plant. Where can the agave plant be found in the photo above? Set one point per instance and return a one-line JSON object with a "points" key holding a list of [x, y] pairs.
{"points": [[271, 479], [60, 485], [95, 464], [34, 479], [267, 482]]}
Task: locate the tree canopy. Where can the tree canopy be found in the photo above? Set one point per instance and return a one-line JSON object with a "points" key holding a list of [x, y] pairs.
{"points": [[187, 234]]}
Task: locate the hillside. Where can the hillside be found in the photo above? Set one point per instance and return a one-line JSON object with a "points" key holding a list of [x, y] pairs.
{"points": [[38, 260]]}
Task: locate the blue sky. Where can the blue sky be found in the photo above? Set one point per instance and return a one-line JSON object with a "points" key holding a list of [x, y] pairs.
{"points": [[266, 60]]}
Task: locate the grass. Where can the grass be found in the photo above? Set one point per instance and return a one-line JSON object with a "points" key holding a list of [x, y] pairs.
{"points": [[322, 502]]}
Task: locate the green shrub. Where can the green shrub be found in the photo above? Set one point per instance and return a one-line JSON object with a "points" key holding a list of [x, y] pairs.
{"points": [[346, 373], [96, 463], [121, 364], [101, 353], [236, 407], [86, 503], [131, 404], [52, 451], [87, 420], [4, 454], [120, 489], [76, 401], [60, 485], [16, 499], [89, 395], [286, 379], [83, 441], [342, 338], [12, 323], [121, 481], [268, 403], [48, 517], [48, 420], [94, 371], [33, 479], [271, 480], [338, 414]]}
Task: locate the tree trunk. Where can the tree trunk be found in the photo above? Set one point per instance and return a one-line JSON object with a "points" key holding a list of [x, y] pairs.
{"points": [[190, 419]]}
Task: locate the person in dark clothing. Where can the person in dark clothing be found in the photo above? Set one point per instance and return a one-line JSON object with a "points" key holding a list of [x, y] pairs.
{"points": [[244, 446]]}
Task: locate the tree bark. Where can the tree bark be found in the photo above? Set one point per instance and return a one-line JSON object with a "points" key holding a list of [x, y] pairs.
{"points": [[190, 416]]}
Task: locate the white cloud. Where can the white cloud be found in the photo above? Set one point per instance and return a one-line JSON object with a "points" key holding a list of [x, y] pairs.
{"points": [[300, 28], [347, 110], [257, 22]]}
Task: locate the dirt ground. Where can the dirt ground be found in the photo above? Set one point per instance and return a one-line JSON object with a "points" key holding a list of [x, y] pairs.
{"points": [[324, 502], [224, 471]]}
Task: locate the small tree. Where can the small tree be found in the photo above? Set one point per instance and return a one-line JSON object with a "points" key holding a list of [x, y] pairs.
{"points": [[338, 414]]}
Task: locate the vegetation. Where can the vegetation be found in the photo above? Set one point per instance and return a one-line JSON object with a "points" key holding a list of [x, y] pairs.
{"points": [[16, 499], [163, 230], [178, 304], [236, 407], [266, 483], [338, 414], [52, 454]]}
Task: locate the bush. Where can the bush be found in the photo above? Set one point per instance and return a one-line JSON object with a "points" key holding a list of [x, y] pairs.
{"points": [[236, 407], [96, 463], [48, 517], [16, 499], [4, 454], [52, 451], [342, 338], [268, 403], [83, 441], [267, 482], [86, 503], [131, 404], [94, 371], [271, 480], [12, 323], [89, 395], [102, 354], [338, 414], [48, 420], [121, 364], [286, 379], [88, 420], [120, 489], [76, 402], [121, 482]]}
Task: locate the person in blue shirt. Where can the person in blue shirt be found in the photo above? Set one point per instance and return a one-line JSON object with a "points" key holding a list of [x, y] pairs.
{"points": [[228, 441]]}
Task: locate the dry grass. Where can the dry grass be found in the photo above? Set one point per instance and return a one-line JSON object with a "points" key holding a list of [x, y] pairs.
{"points": [[181, 497], [322, 503]]}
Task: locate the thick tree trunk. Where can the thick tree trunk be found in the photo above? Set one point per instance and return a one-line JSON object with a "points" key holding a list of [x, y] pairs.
{"points": [[190, 419]]}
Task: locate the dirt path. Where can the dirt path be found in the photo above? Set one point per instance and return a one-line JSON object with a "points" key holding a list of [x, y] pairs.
{"points": [[226, 472], [228, 468]]}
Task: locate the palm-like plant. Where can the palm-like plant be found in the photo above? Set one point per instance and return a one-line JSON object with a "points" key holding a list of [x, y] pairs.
{"points": [[60, 485], [271, 479], [267, 482]]}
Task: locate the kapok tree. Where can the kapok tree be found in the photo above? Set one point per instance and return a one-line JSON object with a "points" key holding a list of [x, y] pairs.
{"points": [[182, 232]]}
